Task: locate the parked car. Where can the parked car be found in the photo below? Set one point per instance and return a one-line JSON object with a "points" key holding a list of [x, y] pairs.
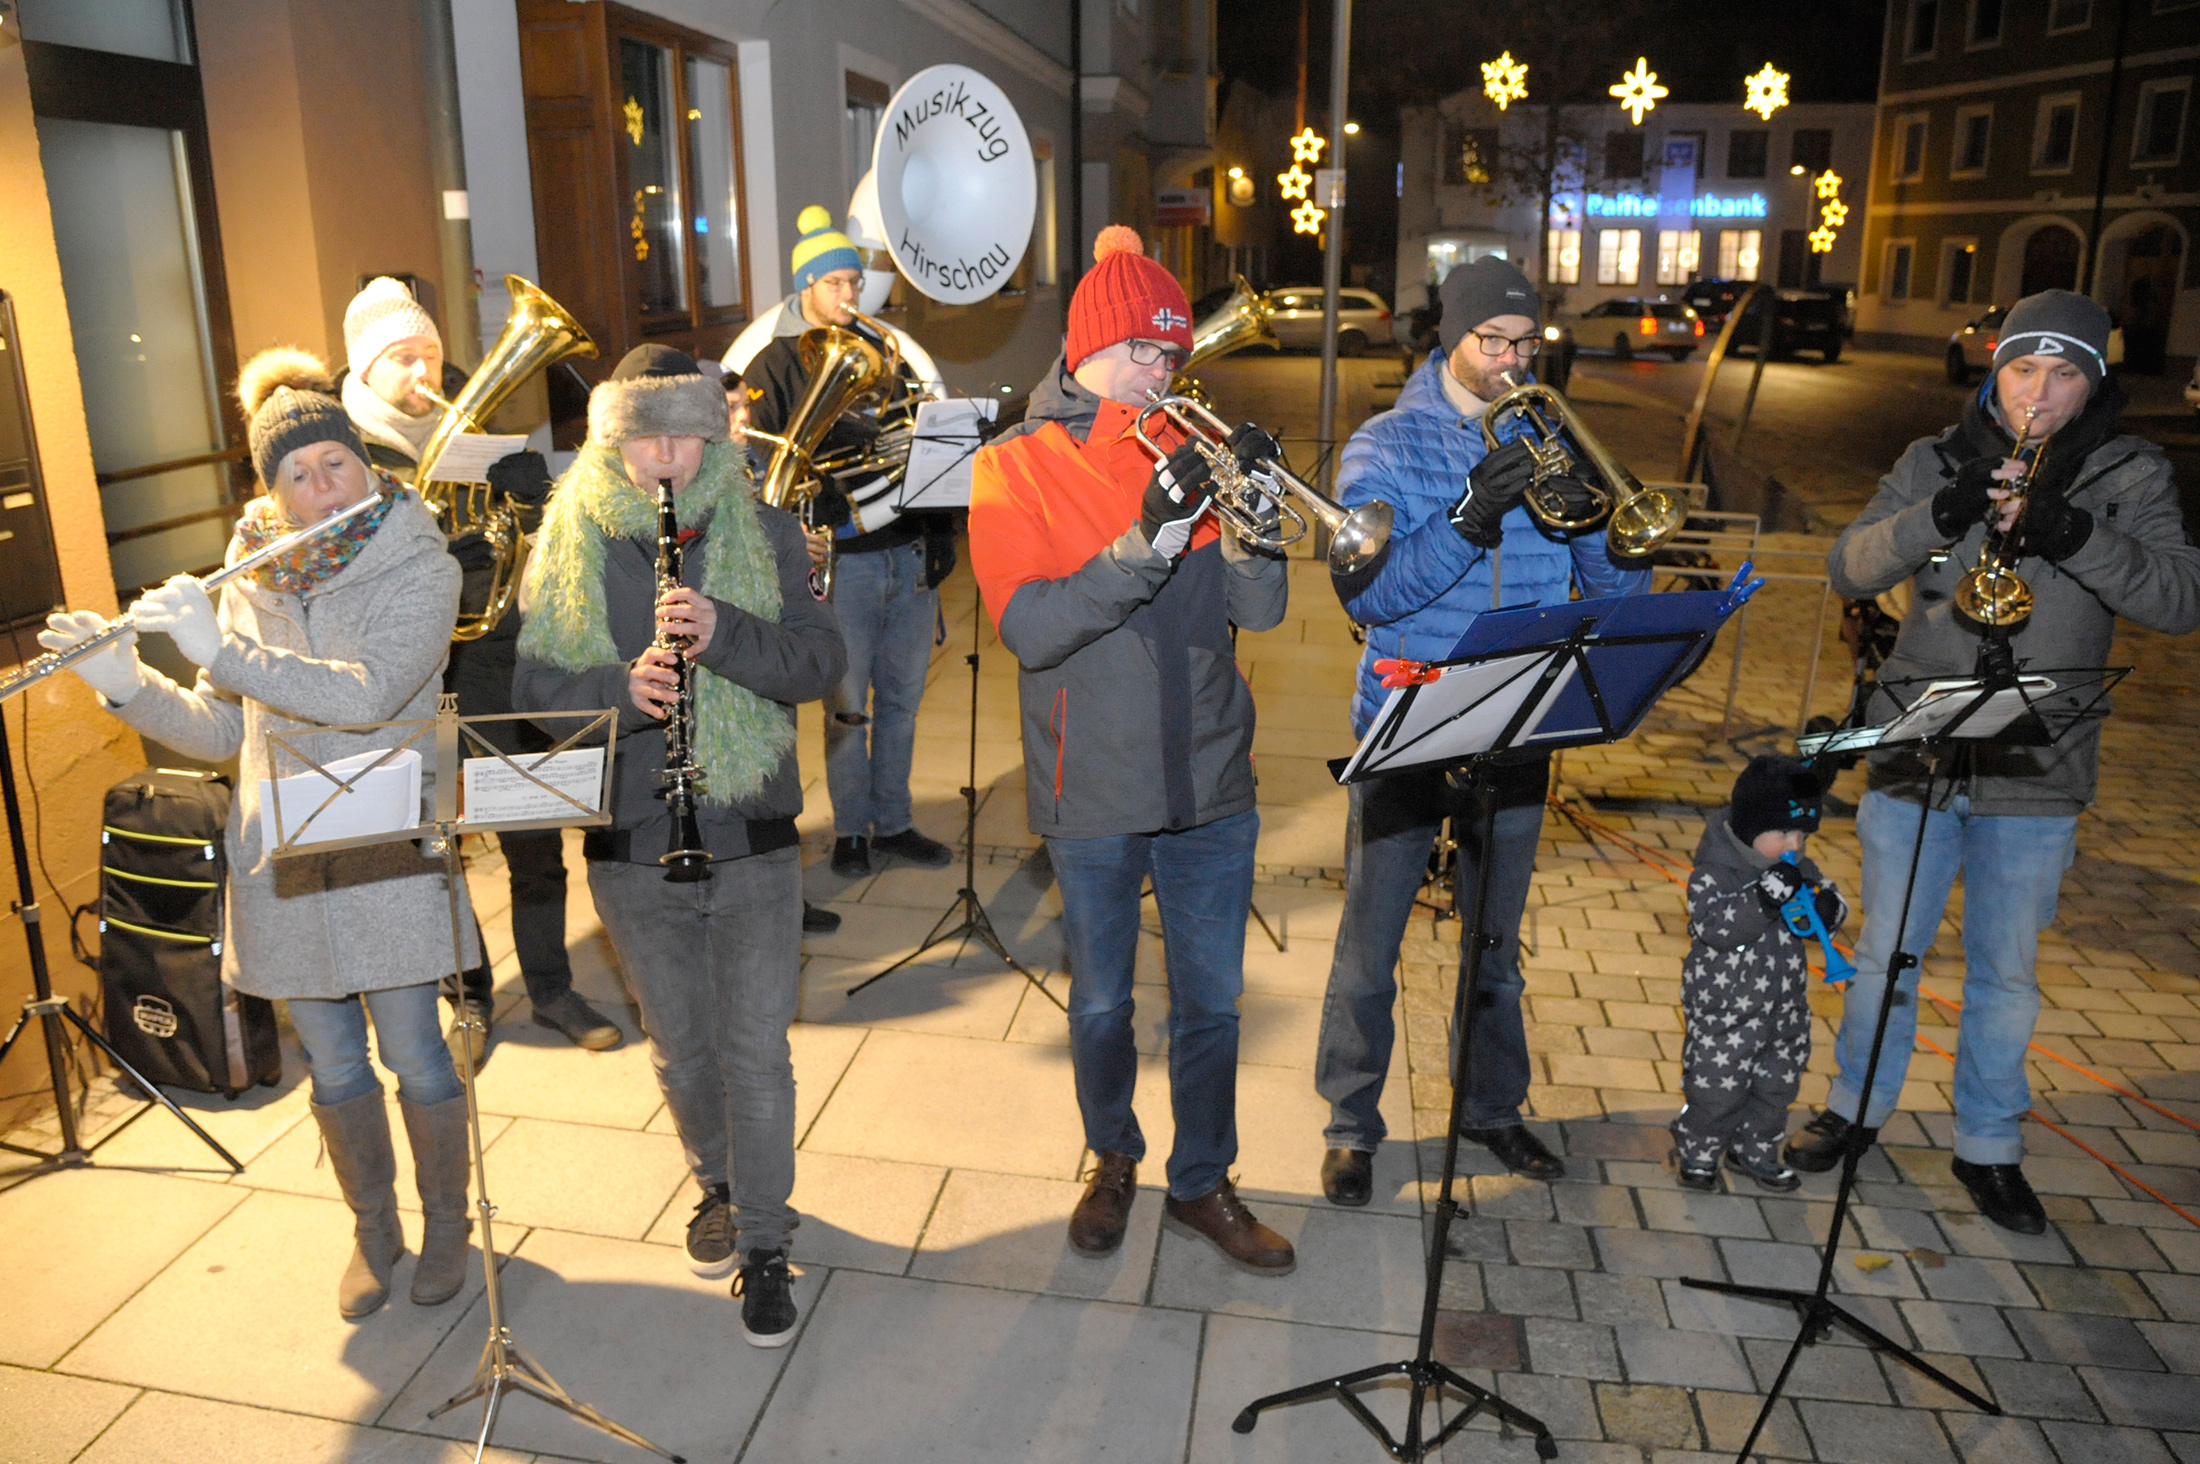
{"points": [[1971, 346], [1362, 318], [1639, 325], [1712, 300], [1802, 320]]}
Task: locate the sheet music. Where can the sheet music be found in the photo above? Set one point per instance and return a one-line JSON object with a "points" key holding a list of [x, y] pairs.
{"points": [[466, 458], [1942, 701], [496, 792], [384, 801], [1460, 713], [947, 438]]}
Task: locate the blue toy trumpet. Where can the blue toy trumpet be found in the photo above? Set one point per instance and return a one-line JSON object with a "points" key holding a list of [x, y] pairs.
{"points": [[1800, 915]]}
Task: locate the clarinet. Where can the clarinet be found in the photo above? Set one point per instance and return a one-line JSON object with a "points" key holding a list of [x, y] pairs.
{"points": [[686, 861]]}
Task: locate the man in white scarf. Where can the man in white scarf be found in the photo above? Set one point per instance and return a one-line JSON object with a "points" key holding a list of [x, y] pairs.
{"points": [[393, 349]]}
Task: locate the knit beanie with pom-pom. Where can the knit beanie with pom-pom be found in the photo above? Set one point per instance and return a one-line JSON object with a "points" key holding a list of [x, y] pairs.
{"points": [[1125, 296], [821, 249], [290, 403]]}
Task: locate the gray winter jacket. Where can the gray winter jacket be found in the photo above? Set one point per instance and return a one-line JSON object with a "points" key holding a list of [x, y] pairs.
{"points": [[365, 645], [2138, 563], [1741, 957], [796, 659]]}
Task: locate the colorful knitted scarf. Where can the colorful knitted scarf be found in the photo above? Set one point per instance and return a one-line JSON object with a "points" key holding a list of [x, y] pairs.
{"points": [[317, 559], [740, 736]]}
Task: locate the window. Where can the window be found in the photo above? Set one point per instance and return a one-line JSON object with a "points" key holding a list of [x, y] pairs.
{"points": [[1985, 27], [1745, 152], [865, 106], [1909, 148], [2055, 133], [2064, 16], [2158, 134], [1894, 283], [1739, 252], [1470, 155], [1958, 266], [1681, 147], [1562, 257], [1922, 30], [1619, 256], [1678, 251], [1623, 154], [1812, 149], [1974, 126]]}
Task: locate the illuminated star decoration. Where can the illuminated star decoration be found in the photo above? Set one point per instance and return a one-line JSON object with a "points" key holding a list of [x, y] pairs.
{"points": [[1768, 92], [1307, 146], [1307, 219], [1832, 212], [633, 113], [1638, 91], [1505, 81], [1293, 184]]}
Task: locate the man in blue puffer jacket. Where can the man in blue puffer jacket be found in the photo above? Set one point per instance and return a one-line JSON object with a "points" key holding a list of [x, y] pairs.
{"points": [[1462, 544]]}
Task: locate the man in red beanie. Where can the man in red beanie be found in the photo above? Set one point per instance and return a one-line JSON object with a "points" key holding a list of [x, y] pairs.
{"points": [[1116, 591]]}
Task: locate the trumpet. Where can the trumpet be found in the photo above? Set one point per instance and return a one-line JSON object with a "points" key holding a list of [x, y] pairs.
{"points": [[1637, 520], [1991, 592], [1243, 494], [685, 859]]}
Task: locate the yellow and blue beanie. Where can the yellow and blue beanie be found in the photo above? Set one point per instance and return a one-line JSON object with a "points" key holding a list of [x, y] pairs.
{"points": [[821, 249]]}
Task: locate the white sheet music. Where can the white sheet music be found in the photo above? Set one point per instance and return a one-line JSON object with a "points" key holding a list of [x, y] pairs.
{"points": [[940, 452], [467, 457], [1941, 701], [384, 801], [1462, 712], [496, 792]]}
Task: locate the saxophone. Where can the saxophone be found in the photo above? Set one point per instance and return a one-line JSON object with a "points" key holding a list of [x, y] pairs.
{"points": [[686, 861]]}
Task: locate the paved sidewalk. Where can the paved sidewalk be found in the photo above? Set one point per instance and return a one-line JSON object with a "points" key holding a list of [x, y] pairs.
{"points": [[155, 1309]]}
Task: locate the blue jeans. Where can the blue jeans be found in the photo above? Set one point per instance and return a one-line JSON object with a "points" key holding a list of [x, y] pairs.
{"points": [[408, 1036], [1203, 884], [886, 618], [2012, 871], [1388, 835]]}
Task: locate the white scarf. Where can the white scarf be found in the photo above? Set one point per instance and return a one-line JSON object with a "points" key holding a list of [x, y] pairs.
{"points": [[380, 422]]}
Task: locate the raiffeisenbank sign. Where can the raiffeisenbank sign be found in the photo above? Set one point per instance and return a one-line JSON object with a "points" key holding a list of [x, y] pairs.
{"points": [[1702, 206]]}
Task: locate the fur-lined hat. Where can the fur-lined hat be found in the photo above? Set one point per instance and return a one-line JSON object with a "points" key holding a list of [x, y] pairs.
{"points": [[290, 402], [655, 392]]}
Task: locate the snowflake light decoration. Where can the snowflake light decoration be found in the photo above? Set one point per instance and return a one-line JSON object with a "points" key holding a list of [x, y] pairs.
{"points": [[1638, 91], [1768, 92], [1293, 184], [1505, 81], [1307, 146], [1307, 219]]}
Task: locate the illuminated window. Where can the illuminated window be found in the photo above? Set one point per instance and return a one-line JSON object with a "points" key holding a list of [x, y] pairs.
{"points": [[1563, 253], [1619, 256], [1739, 251], [1678, 251]]}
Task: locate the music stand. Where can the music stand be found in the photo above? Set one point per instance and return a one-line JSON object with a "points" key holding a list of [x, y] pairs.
{"points": [[488, 784], [1520, 681], [1947, 720]]}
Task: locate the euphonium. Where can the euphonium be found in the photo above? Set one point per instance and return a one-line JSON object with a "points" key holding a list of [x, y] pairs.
{"points": [[1991, 592], [1637, 520], [1238, 322], [1243, 494], [685, 859], [537, 334], [846, 372]]}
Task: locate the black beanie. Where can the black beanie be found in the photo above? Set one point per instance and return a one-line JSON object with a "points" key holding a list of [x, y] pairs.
{"points": [[1774, 792], [1482, 291]]}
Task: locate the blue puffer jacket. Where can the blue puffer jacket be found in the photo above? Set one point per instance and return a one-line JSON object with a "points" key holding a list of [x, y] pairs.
{"points": [[1432, 583]]}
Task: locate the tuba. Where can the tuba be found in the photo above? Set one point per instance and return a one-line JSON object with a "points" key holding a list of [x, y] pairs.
{"points": [[847, 373], [1991, 593], [1240, 321], [538, 334], [1637, 520]]}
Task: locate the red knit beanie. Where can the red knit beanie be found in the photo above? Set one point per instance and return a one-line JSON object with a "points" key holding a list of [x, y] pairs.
{"points": [[1125, 296]]}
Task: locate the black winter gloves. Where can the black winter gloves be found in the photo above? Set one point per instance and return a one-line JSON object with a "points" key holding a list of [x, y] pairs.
{"points": [[521, 476], [1778, 884], [1493, 487], [1176, 495], [1962, 501], [2053, 529], [1249, 444]]}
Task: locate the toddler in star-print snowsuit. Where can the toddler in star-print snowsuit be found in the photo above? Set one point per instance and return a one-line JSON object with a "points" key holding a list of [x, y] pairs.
{"points": [[1744, 982]]}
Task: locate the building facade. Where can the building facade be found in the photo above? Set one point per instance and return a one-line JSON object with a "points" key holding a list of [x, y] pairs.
{"points": [[2035, 145], [1695, 191]]}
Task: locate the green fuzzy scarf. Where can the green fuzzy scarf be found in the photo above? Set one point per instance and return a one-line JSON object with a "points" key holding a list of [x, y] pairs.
{"points": [[740, 737]]}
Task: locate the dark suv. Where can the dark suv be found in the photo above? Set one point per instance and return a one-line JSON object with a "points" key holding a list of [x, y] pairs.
{"points": [[1803, 320]]}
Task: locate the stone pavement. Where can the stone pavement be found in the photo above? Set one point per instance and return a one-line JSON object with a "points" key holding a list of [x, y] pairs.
{"points": [[156, 1309]]}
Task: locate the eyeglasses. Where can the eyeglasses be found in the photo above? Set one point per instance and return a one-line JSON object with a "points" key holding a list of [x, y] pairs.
{"points": [[1151, 353], [1496, 345]]}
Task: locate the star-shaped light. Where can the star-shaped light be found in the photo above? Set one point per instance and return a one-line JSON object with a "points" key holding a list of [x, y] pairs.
{"points": [[632, 111], [1768, 92], [1638, 91], [1294, 183], [1307, 147], [1827, 184], [1307, 219], [1505, 81]]}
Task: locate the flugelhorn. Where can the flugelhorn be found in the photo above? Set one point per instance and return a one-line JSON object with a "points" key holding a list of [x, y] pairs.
{"points": [[1243, 493], [1991, 592], [538, 334], [846, 372], [1637, 520]]}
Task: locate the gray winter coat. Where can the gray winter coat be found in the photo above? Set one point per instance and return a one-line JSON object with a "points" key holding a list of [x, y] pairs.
{"points": [[365, 645], [1741, 955], [2137, 563]]}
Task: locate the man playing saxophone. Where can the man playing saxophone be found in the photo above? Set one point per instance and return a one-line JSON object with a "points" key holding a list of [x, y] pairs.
{"points": [[2097, 534]]}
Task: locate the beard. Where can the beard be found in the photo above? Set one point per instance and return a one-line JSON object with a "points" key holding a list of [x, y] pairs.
{"points": [[1486, 382]]}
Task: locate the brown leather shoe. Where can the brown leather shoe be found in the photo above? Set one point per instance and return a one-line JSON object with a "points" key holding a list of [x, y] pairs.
{"points": [[1220, 1216], [1096, 1225]]}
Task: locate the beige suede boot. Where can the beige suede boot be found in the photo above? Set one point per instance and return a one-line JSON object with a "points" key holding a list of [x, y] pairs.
{"points": [[441, 1165], [357, 1134]]}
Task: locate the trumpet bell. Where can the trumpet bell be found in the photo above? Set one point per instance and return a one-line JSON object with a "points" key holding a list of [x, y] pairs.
{"points": [[1996, 597], [1646, 522], [1358, 537]]}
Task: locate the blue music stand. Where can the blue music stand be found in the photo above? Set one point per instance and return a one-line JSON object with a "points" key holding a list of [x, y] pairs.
{"points": [[1520, 680]]}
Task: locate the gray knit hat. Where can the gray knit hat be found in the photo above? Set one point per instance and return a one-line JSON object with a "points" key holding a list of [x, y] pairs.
{"points": [[290, 402], [655, 391], [1483, 290], [2057, 323]]}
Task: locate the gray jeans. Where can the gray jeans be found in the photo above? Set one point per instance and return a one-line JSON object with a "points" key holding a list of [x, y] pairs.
{"points": [[716, 967]]}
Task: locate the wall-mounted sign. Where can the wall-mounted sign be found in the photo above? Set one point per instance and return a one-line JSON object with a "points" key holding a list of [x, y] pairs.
{"points": [[1702, 206], [1183, 206]]}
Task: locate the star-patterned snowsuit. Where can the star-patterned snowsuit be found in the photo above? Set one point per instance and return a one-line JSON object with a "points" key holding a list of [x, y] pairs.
{"points": [[1742, 991]]}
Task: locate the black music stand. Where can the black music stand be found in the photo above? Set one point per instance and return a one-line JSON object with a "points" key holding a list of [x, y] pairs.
{"points": [[1520, 681], [1947, 720]]}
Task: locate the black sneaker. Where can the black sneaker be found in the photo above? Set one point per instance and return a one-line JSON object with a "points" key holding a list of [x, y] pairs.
{"points": [[1769, 1172], [916, 848], [767, 1299], [710, 1235], [1700, 1175], [1820, 1144], [817, 920], [852, 857], [2002, 1195]]}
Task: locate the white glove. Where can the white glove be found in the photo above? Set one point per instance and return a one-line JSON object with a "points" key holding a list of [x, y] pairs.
{"points": [[181, 608], [113, 672]]}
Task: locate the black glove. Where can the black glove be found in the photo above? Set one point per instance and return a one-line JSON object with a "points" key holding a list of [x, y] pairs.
{"points": [[473, 552], [1778, 884], [2053, 529], [1249, 444], [1493, 487], [1832, 909], [1579, 500], [1176, 495], [1962, 501], [522, 477]]}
